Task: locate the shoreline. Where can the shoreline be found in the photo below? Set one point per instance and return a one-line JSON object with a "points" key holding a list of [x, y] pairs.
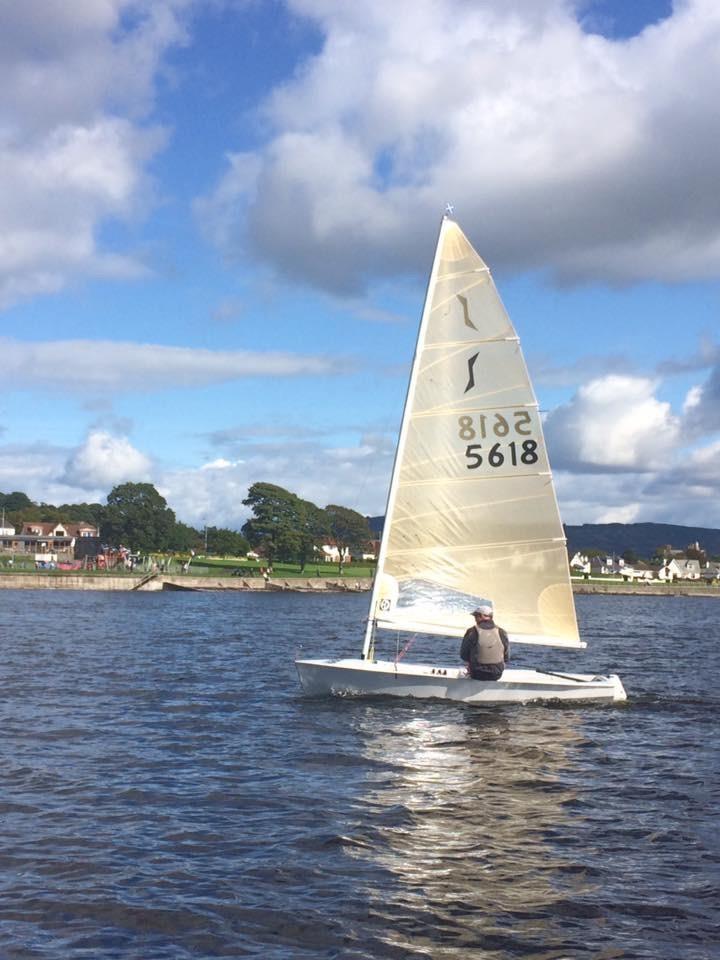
{"points": [[645, 590], [183, 583], [180, 583]]}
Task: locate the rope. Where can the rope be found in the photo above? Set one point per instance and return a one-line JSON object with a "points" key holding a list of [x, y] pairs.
{"points": [[401, 654]]}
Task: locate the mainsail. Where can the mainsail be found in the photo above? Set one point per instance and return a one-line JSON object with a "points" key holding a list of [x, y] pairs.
{"points": [[471, 513]]}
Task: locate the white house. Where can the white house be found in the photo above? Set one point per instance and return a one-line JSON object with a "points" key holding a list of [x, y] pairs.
{"points": [[691, 569], [331, 553], [606, 565], [633, 573], [680, 569]]}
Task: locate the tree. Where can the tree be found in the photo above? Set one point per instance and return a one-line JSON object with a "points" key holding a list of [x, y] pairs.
{"points": [[348, 528], [17, 508], [82, 513], [15, 501], [275, 529], [139, 517], [225, 543], [630, 556], [314, 530], [183, 538]]}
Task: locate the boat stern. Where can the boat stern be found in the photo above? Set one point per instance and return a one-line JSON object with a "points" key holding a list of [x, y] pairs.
{"points": [[619, 694]]}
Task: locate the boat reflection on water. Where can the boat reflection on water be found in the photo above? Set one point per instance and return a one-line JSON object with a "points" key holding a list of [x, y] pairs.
{"points": [[468, 817]]}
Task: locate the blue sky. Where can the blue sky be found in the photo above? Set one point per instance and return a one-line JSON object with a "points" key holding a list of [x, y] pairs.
{"points": [[217, 217]]}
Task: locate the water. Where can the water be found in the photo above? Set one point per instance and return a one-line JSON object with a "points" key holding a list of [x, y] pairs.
{"points": [[166, 791]]}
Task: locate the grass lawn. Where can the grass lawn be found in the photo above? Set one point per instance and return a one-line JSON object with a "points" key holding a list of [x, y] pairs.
{"points": [[226, 566]]}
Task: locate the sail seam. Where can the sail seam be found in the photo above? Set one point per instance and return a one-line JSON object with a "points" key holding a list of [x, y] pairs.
{"points": [[545, 541], [462, 273], [464, 343], [453, 480], [437, 411]]}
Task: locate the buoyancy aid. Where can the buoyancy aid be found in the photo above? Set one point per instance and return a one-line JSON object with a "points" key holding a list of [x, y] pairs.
{"points": [[489, 647]]}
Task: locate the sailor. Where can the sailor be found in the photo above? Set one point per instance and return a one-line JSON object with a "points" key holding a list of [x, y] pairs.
{"points": [[485, 647]]}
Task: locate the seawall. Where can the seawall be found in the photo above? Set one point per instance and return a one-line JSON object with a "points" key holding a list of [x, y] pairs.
{"points": [[646, 590], [102, 581]]}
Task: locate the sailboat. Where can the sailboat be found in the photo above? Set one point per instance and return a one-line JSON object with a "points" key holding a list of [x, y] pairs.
{"points": [[472, 517]]}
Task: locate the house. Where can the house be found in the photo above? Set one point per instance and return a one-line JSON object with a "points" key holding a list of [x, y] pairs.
{"points": [[41, 537], [679, 569], [331, 553], [7, 534], [669, 571], [638, 571], [689, 569], [58, 531], [668, 552], [600, 566], [372, 549], [695, 551]]}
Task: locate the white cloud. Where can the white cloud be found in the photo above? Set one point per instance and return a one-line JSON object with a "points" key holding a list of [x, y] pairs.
{"points": [[695, 476], [315, 468], [560, 149], [105, 460], [684, 490], [76, 80], [625, 514], [102, 365], [702, 405], [613, 423], [683, 496], [37, 470], [355, 477]]}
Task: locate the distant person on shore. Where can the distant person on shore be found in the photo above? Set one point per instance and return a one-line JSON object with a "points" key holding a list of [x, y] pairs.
{"points": [[485, 647]]}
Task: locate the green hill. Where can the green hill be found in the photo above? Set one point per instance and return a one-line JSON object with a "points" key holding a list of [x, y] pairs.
{"points": [[643, 538]]}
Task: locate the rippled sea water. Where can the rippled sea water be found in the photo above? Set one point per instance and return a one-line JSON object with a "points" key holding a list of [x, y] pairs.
{"points": [[167, 792]]}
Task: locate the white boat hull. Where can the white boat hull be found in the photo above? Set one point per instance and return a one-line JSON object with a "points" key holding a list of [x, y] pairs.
{"points": [[354, 677]]}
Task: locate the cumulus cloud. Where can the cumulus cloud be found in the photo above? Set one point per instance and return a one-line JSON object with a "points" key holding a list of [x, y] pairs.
{"points": [[628, 513], [355, 476], [37, 469], [621, 455], [103, 461], [684, 493], [561, 148], [76, 82], [613, 423], [116, 365], [702, 405]]}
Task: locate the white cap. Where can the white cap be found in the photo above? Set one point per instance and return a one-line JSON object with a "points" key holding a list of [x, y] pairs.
{"points": [[485, 609]]}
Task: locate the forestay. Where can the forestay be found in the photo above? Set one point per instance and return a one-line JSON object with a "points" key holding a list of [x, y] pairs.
{"points": [[472, 513]]}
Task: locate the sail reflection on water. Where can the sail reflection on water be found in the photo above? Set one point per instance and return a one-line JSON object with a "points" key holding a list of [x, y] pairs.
{"points": [[466, 824]]}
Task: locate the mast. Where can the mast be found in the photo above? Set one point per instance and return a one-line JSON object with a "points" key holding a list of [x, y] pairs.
{"points": [[369, 641]]}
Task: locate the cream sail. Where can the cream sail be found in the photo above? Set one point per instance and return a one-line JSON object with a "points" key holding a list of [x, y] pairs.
{"points": [[471, 513]]}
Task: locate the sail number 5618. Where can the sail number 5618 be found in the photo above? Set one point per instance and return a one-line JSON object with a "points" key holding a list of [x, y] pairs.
{"points": [[497, 455], [511, 453]]}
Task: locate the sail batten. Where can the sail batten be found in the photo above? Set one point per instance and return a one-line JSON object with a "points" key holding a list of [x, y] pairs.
{"points": [[471, 430], [456, 343], [481, 544]]}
